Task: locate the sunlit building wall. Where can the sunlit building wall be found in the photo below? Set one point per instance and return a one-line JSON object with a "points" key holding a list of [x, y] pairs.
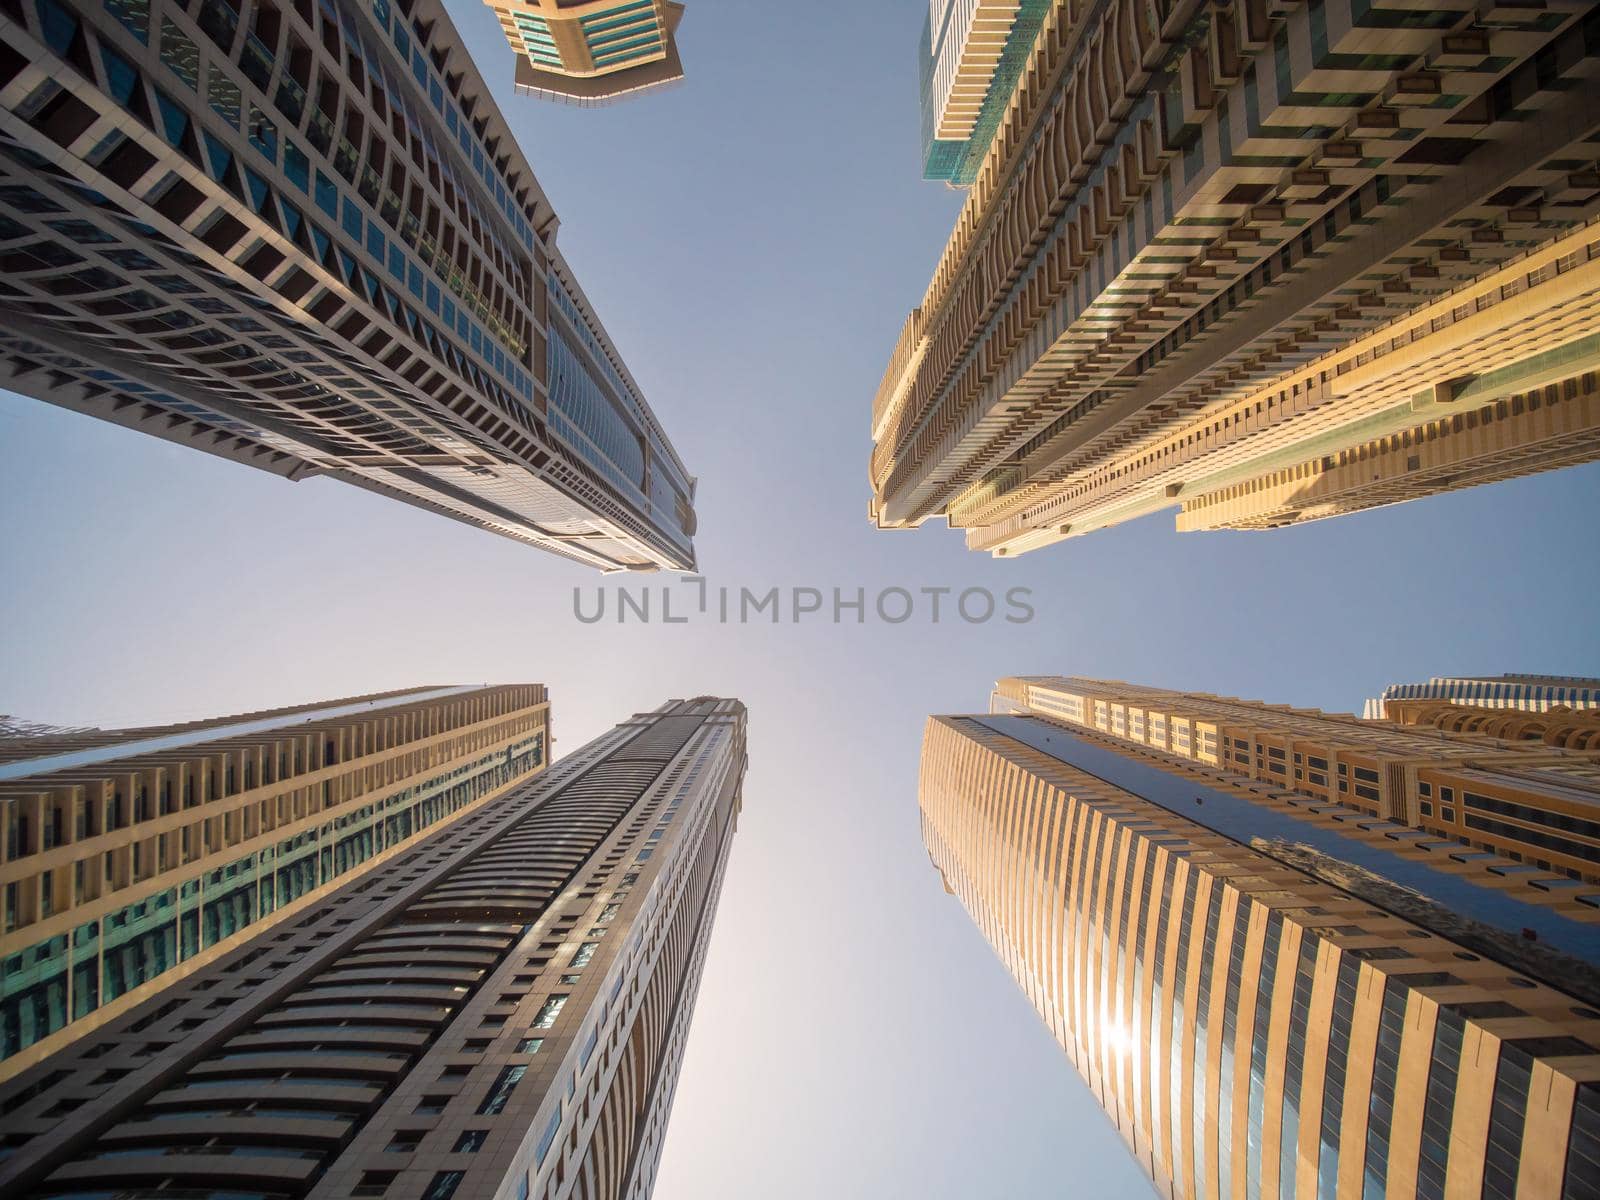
{"points": [[1527, 693], [1270, 994], [1262, 263]]}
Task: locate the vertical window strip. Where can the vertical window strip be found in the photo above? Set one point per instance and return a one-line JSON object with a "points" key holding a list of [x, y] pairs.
{"points": [[1294, 1064], [1230, 1029], [1344, 1007], [1583, 1146], [1439, 1106], [1152, 1060], [1507, 1113], [1180, 979], [1385, 1066], [1257, 1099], [1202, 1004]]}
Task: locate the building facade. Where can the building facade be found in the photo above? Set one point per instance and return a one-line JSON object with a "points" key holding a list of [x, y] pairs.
{"points": [[590, 52], [1271, 996], [1525, 693], [300, 235], [972, 52], [499, 1014], [1525, 786], [1265, 262], [134, 858]]}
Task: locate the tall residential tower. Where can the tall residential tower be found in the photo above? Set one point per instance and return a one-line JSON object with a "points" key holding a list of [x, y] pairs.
{"points": [[591, 52], [1268, 262], [301, 236], [1278, 975], [133, 858], [1526, 693], [972, 52], [498, 1014]]}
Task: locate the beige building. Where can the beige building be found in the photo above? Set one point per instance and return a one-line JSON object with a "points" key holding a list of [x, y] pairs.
{"points": [[498, 1014], [591, 51], [1271, 992], [1525, 693], [135, 857], [1262, 263]]}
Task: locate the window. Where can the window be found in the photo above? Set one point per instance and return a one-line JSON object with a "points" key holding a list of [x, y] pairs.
{"points": [[224, 97], [263, 134], [548, 1137], [470, 1141], [327, 196], [494, 1102], [529, 1045], [443, 1186], [297, 166], [180, 54], [549, 1012]]}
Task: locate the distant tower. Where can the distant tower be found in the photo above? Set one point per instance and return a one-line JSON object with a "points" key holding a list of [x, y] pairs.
{"points": [[1273, 982], [972, 53], [499, 1013], [591, 51], [1525, 693]]}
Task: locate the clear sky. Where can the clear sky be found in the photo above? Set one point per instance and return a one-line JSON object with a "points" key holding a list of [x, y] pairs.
{"points": [[753, 240]]}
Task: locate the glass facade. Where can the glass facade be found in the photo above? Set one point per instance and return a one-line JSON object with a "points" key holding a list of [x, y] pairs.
{"points": [[376, 314], [41, 984]]}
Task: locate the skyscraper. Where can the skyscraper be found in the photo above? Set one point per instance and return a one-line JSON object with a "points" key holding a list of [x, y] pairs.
{"points": [[1273, 993], [1525, 693], [591, 51], [971, 54], [499, 1013], [305, 239], [133, 858], [1266, 262]]}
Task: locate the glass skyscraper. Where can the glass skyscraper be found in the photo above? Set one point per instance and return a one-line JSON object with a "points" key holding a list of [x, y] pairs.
{"points": [[300, 235]]}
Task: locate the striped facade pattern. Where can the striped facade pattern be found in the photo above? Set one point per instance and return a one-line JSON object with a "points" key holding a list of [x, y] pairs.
{"points": [[1523, 693], [500, 1014], [124, 873], [1542, 430], [1252, 1031], [972, 54], [1188, 203]]}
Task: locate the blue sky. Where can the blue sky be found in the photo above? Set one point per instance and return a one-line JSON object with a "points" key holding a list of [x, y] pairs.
{"points": [[753, 240]]}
